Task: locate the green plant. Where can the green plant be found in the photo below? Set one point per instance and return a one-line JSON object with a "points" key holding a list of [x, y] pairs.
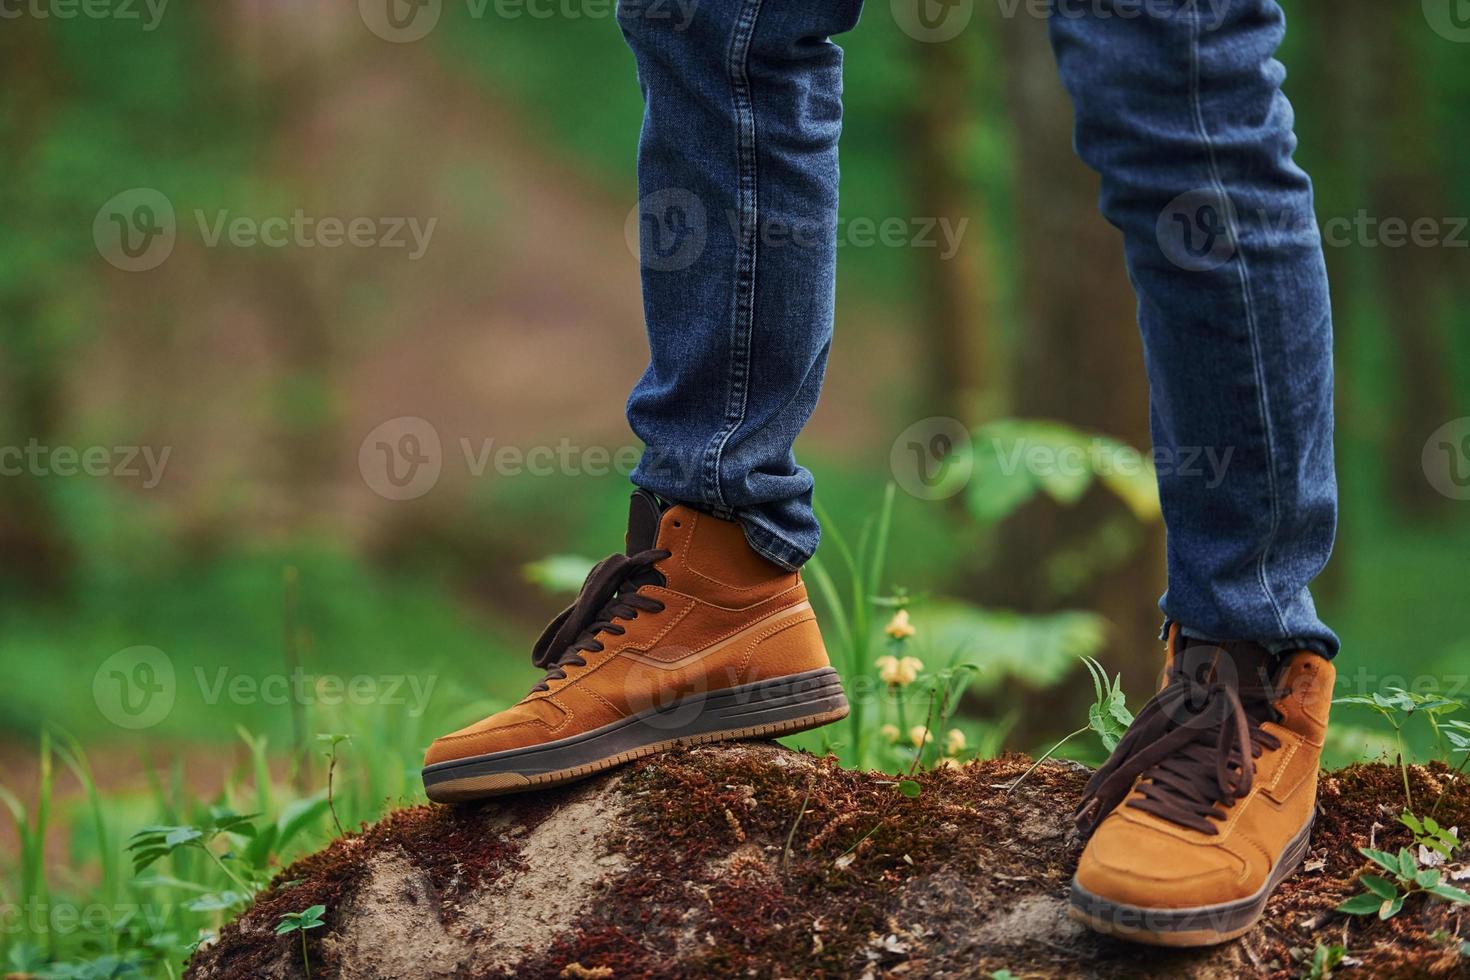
{"points": [[1385, 897], [863, 574], [105, 967], [918, 705], [1324, 960], [1397, 707], [905, 680], [1001, 482], [1108, 716], [31, 827], [331, 754], [300, 922], [1444, 841], [153, 843]]}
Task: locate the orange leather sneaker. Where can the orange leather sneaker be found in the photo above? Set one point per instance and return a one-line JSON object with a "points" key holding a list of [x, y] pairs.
{"points": [[1206, 805], [690, 636]]}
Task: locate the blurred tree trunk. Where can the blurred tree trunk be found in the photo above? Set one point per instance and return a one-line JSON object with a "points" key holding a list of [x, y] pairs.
{"points": [[1409, 186], [290, 59], [1079, 362], [32, 360], [1337, 44], [956, 294]]}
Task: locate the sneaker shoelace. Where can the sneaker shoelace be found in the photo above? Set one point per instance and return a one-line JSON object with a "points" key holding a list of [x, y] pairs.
{"points": [[1191, 751], [609, 594]]}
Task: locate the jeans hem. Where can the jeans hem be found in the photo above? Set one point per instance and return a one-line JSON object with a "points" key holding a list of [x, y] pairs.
{"points": [[771, 546], [1276, 647]]}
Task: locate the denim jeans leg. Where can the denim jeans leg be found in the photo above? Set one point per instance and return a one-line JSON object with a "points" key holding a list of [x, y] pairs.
{"points": [[1179, 108], [737, 184]]}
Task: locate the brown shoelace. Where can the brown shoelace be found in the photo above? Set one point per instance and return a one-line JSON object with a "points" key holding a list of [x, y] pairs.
{"points": [[609, 594], [1194, 745]]}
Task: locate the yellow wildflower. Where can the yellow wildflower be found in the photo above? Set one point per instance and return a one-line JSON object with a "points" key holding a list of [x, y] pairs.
{"points": [[896, 672], [919, 735], [889, 732], [954, 742], [899, 626]]}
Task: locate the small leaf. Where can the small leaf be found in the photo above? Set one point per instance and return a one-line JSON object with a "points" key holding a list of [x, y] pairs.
{"points": [[1391, 908], [1381, 887], [1364, 904], [909, 788], [1382, 858], [215, 902], [182, 835], [1450, 894]]}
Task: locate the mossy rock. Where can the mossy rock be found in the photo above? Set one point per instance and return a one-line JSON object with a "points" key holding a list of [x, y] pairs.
{"points": [[754, 860]]}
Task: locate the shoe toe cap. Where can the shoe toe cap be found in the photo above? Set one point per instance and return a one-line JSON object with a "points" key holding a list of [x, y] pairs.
{"points": [[525, 724], [1131, 862]]}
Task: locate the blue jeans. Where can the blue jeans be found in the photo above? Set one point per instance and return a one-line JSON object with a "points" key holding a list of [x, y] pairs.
{"points": [[1178, 107]]}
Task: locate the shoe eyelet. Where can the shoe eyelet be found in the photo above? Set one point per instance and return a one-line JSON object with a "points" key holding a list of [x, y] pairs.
{"points": [[678, 524]]}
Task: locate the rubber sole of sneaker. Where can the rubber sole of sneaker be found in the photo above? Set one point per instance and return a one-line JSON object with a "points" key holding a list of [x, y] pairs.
{"points": [[764, 709], [1205, 925]]}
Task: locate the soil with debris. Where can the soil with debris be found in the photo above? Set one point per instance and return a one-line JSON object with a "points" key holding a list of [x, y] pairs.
{"points": [[751, 859]]}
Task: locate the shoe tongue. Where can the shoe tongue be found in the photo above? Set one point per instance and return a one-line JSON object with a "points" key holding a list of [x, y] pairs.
{"points": [[1248, 667], [644, 512]]}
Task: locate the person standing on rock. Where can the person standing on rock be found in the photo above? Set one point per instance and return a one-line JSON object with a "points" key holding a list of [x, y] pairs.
{"points": [[702, 630]]}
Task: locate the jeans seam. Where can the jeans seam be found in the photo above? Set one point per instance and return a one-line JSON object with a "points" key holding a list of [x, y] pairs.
{"points": [[743, 301], [1252, 326]]}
